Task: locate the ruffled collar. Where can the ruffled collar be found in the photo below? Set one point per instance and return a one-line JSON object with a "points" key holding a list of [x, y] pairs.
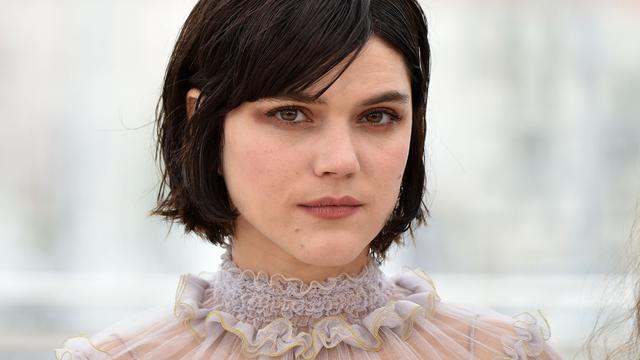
{"points": [[258, 299], [413, 296], [413, 299]]}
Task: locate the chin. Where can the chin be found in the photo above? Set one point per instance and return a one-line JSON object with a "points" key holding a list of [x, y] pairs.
{"points": [[337, 251]]}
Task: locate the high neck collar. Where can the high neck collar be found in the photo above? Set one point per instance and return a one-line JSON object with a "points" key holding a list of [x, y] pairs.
{"points": [[259, 298]]}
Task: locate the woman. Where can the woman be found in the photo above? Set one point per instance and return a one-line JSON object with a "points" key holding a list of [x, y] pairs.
{"points": [[292, 134]]}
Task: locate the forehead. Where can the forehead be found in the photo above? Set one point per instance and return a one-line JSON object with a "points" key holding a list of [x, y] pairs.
{"points": [[378, 67]]}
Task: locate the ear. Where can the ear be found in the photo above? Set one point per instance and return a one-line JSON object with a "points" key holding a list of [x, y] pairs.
{"points": [[191, 101]]}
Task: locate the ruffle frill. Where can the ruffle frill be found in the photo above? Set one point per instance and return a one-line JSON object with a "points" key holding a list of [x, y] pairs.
{"points": [[259, 299], [416, 300], [280, 336]]}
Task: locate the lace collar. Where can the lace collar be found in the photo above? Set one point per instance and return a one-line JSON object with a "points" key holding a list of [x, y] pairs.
{"points": [[258, 299]]}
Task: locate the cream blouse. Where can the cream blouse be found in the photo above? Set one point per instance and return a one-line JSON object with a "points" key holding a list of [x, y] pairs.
{"points": [[236, 314]]}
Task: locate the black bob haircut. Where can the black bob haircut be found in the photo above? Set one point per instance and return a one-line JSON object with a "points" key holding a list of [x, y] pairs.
{"points": [[236, 51]]}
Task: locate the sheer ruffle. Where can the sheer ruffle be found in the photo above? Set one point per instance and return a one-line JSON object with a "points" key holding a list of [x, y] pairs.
{"points": [[413, 324], [280, 336], [259, 299]]}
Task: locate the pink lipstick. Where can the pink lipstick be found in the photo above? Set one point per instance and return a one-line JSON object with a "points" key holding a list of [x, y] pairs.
{"points": [[332, 208]]}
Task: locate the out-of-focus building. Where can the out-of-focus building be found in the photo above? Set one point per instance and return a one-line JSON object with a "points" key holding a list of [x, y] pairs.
{"points": [[533, 161]]}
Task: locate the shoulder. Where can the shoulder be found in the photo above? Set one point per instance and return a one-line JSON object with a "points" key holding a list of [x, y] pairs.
{"points": [[524, 336], [137, 335], [163, 332], [487, 334], [479, 332]]}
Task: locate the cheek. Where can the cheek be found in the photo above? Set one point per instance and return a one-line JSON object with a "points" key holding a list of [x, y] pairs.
{"points": [[387, 164], [391, 171], [255, 170], [397, 158], [390, 159]]}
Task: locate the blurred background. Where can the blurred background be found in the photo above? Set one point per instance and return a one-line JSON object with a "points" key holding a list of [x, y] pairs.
{"points": [[533, 158]]}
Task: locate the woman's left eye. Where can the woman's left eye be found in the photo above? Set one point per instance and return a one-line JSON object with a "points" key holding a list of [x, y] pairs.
{"points": [[380, 117]]}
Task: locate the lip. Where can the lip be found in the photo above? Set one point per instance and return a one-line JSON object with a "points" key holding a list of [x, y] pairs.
{"points": [[332, 208], [331, 201], [331, 212]]}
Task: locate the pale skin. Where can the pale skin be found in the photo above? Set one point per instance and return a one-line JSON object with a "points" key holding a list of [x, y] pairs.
{"points": [[353, 142]]}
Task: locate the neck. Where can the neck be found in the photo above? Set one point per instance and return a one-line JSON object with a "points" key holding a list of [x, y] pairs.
{"points": [[266, 257]]}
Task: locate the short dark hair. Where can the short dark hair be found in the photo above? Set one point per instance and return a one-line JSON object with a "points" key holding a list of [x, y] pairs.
{"points": [[238, 51]]}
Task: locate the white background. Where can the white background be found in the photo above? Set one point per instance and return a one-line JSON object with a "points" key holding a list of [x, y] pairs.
{"points": [[533, 161]]}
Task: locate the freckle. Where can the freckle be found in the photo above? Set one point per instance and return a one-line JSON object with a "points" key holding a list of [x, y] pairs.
{"points": [[296, 230]]}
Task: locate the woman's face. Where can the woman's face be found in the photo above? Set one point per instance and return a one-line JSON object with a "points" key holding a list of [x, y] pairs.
{"points": [[282, 154]]}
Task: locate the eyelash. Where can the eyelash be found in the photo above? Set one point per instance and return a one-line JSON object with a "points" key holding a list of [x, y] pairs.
{"points": [[395, 118]]}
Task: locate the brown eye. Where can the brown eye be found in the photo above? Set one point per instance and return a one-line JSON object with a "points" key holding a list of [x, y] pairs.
{"points": [[288, 114], [375, 117], [380, 117]]}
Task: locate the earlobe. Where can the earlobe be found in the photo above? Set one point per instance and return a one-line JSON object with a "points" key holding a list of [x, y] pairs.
{"points": [[191, 101]]}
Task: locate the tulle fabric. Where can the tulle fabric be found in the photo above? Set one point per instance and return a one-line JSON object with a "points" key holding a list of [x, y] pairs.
{"points": [[413, 324]]}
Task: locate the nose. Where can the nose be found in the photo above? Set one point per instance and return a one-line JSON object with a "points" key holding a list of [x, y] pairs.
{"points": [[336, 154]]}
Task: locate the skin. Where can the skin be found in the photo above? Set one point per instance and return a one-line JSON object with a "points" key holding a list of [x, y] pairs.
{"points": [[334, 148]]}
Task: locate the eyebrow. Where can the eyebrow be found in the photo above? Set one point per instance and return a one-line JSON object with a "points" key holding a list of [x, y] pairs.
{"points": [[387, 96]]}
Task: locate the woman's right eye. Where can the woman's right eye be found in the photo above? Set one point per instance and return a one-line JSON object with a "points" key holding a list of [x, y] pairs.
{"points": [[288, 115]]}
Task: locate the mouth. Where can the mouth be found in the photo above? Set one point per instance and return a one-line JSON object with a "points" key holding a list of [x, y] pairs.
{"points": [[332, 201], [331, 212]]}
